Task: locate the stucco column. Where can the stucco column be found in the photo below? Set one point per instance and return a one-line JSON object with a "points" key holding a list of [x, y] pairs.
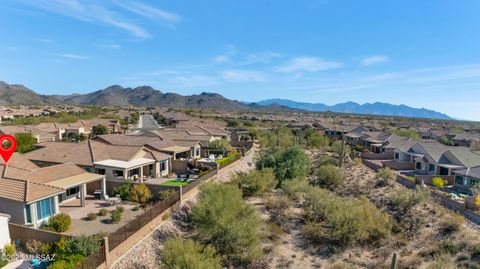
{"points": [[83, 193], [57, 206], [125, 174], [104, 187], [141, 173]]}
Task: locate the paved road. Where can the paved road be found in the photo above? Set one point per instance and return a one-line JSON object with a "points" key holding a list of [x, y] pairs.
{"points": [[147, 122]]}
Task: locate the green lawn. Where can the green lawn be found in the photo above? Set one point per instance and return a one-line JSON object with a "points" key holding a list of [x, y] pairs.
{"points": [[174, 183]]}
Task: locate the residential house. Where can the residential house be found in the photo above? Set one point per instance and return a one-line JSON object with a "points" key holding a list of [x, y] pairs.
{"points": [[4, 230], [113, 161], [339, 131], [466, 140], [31, 194], [467, 179]]}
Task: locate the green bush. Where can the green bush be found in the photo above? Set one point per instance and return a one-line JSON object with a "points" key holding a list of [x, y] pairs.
{"points": [[315, 140], [228, 159], [188, 254], [91, 216], [386, 175], [224, 220], [59, 223], [103, 212], [140, 193], [3, 262], [123, 190], [330, 176], [338, 146], [287, 163], [220, 145], [25, 142], [67, 262], [116, 216], [10, 249], [254, 182], [404, 199], [83, 245], [313, 231], [347, 220], [295, 187], [325, 160], [439, 182]]}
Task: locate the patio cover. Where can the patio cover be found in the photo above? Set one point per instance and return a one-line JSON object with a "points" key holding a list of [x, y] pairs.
{"points": [[176, 149], [126, 164], [451, 166], [73, 181]]}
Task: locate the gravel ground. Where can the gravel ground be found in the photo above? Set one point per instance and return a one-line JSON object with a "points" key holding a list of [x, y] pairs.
{"points": [[145, 254]]}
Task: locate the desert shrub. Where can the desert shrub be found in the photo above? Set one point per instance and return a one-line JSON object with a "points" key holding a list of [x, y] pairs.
{"points": [[140, 193], [325, 160], [287, 163], [166, 216], [276, 232], [33, 246], [313, 231], [314, 139], [103, 212], [386, 175], [188, 254], [338, 146], [329, 176], [67, 262], [358, 162], [135, 208], [411, 179], [404, 199], [83, 245], [224, 220], [59, 223], [259, 181], [295, 187], [46, 249], [120, 208], [116, 216], [347, 220], [123, 190], [439, 182], [442, 262], [448, 246], [451, 222], [219, 145], [165, 194], [340, 265], [279, 211], [3, 262], [91, 216], [10, 250]]}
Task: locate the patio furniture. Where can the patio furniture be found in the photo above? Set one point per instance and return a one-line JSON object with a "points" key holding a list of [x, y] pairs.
{"points": [[98, 195]]}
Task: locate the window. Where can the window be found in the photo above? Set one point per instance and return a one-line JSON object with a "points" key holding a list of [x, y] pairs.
{"points": [[28, 214], [73, 191], [117, 173], [459, 180], [163, 166], [99, 171], [397, 155], [473, 182], [431, 167], [197, 151], [44, 208]]}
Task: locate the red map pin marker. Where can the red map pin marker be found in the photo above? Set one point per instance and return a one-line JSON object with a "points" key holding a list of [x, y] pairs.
{"points": [[8, 144]]}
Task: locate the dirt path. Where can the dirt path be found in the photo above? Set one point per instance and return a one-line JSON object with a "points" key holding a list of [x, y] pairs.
{"points": [[145, 254]]}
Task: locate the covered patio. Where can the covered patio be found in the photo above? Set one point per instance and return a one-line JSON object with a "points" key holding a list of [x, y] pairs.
{"points": [[76, 188], [137, 169]]}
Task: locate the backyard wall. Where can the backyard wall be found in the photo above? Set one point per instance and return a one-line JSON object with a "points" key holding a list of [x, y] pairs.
{"points": [[22, 233], [377, 156], [400, 166]]}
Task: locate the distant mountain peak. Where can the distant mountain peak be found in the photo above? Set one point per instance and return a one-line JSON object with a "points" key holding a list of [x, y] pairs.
{"points": [[377, 108]]}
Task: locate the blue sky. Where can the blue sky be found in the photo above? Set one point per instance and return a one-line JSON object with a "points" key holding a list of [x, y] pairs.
{"points": [[419, 53]]}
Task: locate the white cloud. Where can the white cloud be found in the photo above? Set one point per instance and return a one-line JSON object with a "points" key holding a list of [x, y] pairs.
{"points": [[74, 56], [150, 12], [223, 58], [308, 64], [374, 60], [100, 12], [236, 75], [109, 46], [262, 57], [193, 81]]}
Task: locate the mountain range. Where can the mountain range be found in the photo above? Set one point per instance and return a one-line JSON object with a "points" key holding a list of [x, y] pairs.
{"points": [[116, 95], [377, 108]]}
